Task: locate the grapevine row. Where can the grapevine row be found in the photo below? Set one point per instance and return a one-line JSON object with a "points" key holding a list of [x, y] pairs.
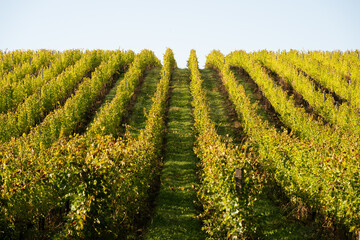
{"points": [[137, 161], [302, 123], [39, 104], [64, 121], [12, 94], [9, 60], [323, 104], [310, 174], [98, 183], [225, 209], [347, 64], [333, 81], [32, 66], [111, 114]]}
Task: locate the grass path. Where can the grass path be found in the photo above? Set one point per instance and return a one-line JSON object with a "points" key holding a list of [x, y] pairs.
{"points": [[108, 98], [225, 122], [175, 211], [137, 118]]}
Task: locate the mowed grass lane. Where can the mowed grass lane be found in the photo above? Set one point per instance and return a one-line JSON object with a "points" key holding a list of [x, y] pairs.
{"points": [[175, 212]]}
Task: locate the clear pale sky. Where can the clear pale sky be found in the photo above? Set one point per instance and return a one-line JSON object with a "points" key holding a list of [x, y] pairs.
{"points": [[225, 25]]}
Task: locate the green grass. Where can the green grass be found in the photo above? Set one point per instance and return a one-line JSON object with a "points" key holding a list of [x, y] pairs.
{"points": [[275, 220], [137, 119], [218, 105], [108, 98], [175, 212], [112, 92]]}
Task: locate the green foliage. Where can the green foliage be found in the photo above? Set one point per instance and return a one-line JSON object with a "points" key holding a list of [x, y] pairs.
{"points": [[11, 94], [112, 113], [88, 186], [333, 80], [36, 106], [346, 65], [227, 213], [341, 115], [23, 67], [14, 59], [300, 122], [310, 172], [95, 185]]}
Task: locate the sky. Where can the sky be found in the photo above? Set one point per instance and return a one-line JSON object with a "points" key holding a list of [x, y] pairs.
{"points": [[203, 25]]}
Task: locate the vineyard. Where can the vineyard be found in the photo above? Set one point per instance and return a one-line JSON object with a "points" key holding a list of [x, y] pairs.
{"points": [[116, 145]]}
